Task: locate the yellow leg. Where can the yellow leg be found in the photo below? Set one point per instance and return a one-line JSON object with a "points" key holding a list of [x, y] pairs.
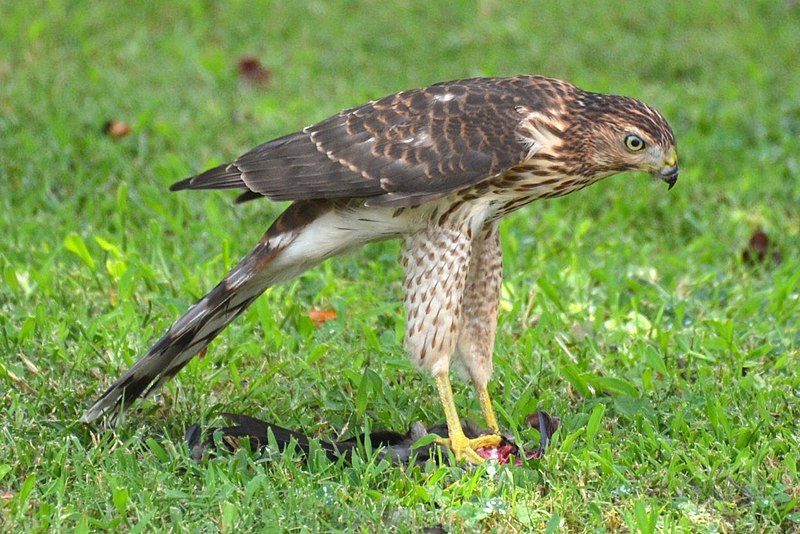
{"points": [[488, 410], [462, 447]]}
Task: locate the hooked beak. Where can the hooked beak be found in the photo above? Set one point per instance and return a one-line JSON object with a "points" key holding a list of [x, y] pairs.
{"points": [[669, 169], [668, 174]]}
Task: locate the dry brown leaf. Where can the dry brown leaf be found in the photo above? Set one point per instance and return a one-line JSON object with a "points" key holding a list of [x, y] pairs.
{"points": [[320, 317], [253, 72], [760, 248], [116, 129]]}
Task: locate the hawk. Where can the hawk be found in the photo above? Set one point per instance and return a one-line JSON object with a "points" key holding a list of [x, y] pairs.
{"points": [[438, 167]]}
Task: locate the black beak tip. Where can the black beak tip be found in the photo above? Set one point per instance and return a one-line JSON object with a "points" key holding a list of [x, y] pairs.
{"points": [[671, 182], [671, 177]]}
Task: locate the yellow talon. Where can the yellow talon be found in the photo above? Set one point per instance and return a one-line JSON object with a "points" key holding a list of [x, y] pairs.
{"points": [[488, 410], [463, 447], [489, 440]]}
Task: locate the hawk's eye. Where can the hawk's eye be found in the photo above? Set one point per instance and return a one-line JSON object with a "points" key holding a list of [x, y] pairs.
{"points": [[634, 143]]}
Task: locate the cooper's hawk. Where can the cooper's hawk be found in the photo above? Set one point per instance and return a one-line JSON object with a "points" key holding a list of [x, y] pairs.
{"points": [[438, 167]]}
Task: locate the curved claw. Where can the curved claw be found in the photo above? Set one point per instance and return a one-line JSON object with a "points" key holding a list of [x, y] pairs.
{"points": [[465, 448]]}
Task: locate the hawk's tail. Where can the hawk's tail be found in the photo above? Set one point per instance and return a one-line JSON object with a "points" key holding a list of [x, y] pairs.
{"points": [[265, 265]]}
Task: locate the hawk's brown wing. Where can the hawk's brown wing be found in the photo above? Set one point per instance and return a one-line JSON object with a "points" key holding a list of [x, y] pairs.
{"points": [[401, 150]]}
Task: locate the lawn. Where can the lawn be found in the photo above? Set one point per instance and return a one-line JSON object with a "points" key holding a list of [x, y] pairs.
{"points": [[627, 310]]}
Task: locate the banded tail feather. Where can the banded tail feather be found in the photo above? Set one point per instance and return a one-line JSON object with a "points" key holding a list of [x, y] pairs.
{"points": [[190, 334], [285, 251]]}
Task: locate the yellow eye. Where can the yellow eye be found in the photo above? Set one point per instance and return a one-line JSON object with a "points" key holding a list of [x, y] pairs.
{"points": [[634, 143]]}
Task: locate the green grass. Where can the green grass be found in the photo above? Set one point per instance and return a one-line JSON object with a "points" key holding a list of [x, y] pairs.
{"points": [[627, 309]]}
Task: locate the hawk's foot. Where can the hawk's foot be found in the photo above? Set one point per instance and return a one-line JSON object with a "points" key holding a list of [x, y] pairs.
{"points": [[465, 448]]}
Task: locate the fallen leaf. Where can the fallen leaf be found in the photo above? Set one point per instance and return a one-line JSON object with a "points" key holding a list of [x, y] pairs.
{"points": [[253, 72], [320, 317], [116, 129], [760, 248]]}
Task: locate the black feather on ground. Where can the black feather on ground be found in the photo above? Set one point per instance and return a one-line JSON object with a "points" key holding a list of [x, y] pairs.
{"points": [[397, 447]]}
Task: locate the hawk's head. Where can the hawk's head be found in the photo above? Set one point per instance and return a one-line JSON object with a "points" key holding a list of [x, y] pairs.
{"points": [[606, 134]]}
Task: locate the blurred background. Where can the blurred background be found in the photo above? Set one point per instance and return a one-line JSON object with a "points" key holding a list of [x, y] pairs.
{"points": [[722, 73], [687, 299]]}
